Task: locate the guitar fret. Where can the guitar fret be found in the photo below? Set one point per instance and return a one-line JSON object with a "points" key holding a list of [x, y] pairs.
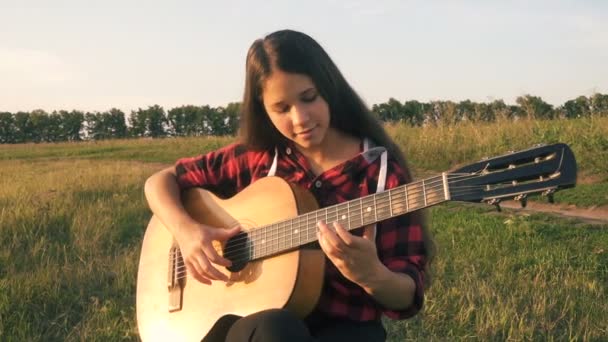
{"points": [[390, 203], [300, 232], [375, 209], [307, 227], [272, 241], [407, 204], [424, 193], [265, 239], [276, 239], [383, 209], [284, 236], [348, 214]]}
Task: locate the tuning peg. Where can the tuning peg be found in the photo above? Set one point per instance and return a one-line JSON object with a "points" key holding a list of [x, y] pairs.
{"points": [[523, 199], [495, 202], [549, 193]]}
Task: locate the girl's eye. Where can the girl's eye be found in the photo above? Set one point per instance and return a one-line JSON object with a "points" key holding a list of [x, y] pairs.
{"points": [[310, 98], [282, 110]]}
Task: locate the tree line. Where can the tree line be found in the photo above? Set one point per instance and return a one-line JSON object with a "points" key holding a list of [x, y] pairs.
{"points": [[39, 126], [448, 113]]}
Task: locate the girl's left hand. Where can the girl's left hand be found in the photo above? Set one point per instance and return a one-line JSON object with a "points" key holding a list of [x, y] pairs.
{"points": [[355, 257]]}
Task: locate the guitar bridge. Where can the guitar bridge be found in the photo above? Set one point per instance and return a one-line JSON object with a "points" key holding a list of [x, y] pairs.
{"points": [[176, 279]]}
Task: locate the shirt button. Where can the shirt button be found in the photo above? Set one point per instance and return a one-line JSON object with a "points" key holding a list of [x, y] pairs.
{"points": [[318, 184], [288, 150]]}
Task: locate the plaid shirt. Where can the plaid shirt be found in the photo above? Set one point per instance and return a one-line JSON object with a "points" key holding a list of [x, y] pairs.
{"points": [[400, 247]]}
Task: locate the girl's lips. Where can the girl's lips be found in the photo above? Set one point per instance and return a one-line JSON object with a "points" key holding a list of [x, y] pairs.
{"points": [[307, 134]]}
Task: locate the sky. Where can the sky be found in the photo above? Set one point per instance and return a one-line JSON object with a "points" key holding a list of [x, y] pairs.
{"points": [[95, 55]]}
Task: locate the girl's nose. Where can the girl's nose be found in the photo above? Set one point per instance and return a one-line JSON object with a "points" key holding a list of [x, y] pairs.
{"points": [[299, 114]]}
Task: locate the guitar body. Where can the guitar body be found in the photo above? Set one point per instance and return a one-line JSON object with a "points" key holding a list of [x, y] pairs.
{"points": [[291, 280]]}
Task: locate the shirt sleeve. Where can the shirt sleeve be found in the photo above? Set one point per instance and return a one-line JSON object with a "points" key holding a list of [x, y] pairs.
{"points": [[224, 172], [401, 248]]}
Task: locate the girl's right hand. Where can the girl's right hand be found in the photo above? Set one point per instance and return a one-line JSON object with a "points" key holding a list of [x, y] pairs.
{"points": [[200, 257]]}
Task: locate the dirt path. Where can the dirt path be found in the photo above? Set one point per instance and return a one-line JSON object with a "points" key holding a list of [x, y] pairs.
{"points": [[595, 215]]}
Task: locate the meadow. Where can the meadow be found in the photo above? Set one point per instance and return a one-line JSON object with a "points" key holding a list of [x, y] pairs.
{"points": [[72, 216]]}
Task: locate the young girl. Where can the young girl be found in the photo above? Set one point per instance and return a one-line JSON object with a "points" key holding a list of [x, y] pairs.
{"points": [[302, 121]]}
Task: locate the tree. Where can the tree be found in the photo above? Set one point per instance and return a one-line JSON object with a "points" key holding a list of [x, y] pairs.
{"points": [[466, 110], [186, 121], [137, 123], [576, 108], [40, 125], [7, 128], [151, 122], [448, 113], [232, 113], [391, 111], [535, 108], [93, 126], [413, 112], [214, 120], [599, 104], [72, 123], [24, 128], [501, 111], [484, 112], [106, 125], [156, 121], [115, 122], [54, 129]]}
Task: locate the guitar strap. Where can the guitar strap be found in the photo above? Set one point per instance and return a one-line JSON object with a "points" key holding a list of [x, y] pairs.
{"points": [[370, 153]]}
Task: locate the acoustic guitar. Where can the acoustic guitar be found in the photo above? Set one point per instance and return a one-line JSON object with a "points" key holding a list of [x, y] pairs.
{"points": [[271, 266]]}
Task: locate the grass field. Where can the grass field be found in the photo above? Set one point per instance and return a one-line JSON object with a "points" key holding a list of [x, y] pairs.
{"points": [[72, 217]]}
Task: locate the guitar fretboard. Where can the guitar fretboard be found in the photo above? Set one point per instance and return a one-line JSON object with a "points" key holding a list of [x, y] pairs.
{"points": [[290, 234]]}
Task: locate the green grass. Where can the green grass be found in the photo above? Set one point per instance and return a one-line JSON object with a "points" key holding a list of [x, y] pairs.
{"points": [[69, 249], [585, 195], [72, 217], [143, 150], [440, 148], [503, 277]]}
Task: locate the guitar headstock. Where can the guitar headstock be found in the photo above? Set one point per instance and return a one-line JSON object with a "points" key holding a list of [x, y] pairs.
{"points": [[541, 169]]}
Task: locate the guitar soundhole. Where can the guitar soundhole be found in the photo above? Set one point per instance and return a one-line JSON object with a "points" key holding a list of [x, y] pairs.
{"points": [[238, 250]]}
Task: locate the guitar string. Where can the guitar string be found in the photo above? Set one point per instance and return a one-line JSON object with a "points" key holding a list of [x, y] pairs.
{"points": [[336, 212], [328, 214], [243, 255], [279, 227], [415, 190]]}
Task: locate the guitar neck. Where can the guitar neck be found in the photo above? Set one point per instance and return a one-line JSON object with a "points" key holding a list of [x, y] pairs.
{"points": [[289, 234]]}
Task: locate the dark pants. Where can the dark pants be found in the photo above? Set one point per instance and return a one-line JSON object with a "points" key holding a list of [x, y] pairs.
{"points": [[279, 325]]}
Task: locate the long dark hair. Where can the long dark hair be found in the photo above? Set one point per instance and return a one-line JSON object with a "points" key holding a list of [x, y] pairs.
{"points": [[296, 52]]}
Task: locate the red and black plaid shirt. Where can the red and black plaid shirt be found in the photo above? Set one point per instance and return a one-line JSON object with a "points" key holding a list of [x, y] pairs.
{"points": [[400, 246]]}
